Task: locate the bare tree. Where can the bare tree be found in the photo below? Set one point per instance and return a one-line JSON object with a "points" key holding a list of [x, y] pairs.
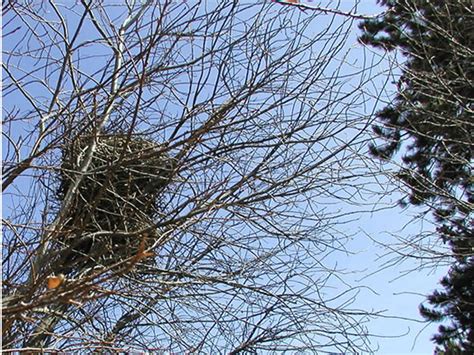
{"points": [[169, 171]]}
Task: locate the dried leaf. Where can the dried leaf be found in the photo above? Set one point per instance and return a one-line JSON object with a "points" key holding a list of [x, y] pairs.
{"points": [[55, 281]]}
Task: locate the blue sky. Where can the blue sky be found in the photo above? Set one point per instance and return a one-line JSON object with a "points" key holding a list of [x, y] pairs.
{"points": [[389, 290], [399, 288]]}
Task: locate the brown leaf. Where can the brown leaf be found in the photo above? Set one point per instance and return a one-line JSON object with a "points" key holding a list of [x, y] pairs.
{"points": [[55, 281]]}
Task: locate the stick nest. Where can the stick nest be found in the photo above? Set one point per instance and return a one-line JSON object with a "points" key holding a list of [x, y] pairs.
{"points": [[119, 193]]}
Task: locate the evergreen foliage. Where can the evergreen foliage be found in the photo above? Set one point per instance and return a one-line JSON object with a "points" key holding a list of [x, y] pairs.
{"points": [[431, 121]]}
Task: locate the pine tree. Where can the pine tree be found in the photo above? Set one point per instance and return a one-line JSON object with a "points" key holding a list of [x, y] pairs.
{"points": [[431, 121]]}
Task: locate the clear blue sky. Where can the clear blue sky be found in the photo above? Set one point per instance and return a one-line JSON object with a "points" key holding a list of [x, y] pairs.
{"points": [[396, 290], [399, 296], [400, 288]]}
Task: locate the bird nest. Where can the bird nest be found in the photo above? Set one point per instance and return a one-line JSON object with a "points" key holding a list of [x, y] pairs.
{"points": [[117, 195]]}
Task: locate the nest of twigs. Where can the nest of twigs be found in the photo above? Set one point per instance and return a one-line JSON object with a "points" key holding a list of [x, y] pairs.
{"points": [[118, 195]]}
